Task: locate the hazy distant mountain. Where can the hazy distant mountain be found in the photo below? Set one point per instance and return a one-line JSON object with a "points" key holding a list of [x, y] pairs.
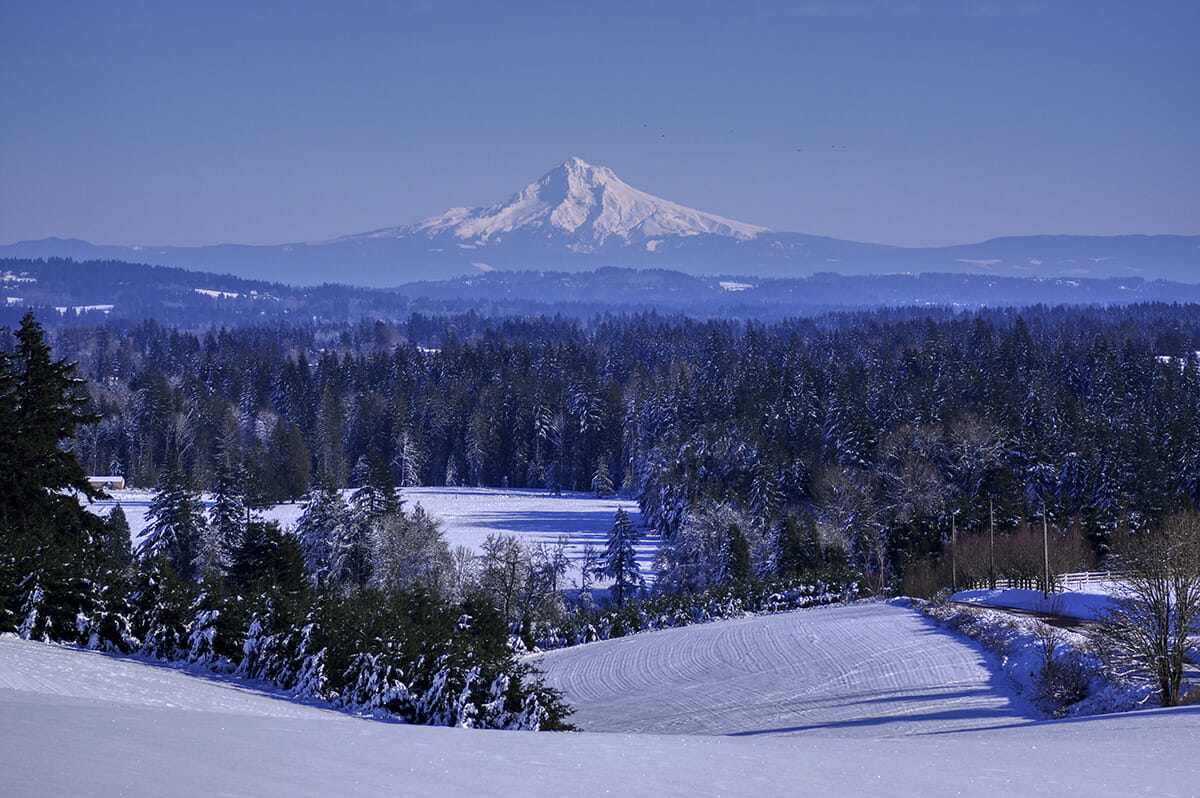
{"points": [[583, 207], [579, 217]]}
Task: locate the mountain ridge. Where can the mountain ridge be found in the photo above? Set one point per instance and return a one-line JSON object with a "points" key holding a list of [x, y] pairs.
{"points": [[580, 217]]}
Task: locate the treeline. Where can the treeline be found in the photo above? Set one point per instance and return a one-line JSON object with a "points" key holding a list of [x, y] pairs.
{"points": [[878, 427]]}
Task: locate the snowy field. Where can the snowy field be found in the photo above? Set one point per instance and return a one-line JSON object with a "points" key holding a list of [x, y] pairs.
{"points": [[78, 722], [859, 670], [468, 516]]}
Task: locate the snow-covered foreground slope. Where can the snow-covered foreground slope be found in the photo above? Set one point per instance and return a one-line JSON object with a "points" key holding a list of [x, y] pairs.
{"points": [[861, 670], [77, 722]]}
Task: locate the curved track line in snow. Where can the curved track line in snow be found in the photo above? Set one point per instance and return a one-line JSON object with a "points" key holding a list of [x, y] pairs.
{"points": [[870, 669]]}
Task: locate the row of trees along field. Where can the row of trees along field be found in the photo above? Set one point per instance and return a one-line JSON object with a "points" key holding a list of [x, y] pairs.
{"points": [[881, 427]]}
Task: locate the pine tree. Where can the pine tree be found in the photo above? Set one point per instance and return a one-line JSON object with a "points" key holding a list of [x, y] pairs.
{"points": [[737, 555], [373, 506], [602, 485], [620, 558], [116, 545], [330, 432], [227, 517], [268, 559], [43, 528], [324, 534], [293, 461], [798, 546], [176, 517]]}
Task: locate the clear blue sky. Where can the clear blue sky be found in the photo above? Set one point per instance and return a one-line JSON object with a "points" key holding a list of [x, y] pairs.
{"points": [[914, 122]]}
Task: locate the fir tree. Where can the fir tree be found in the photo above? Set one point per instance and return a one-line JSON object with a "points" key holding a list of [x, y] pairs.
{"points": [[116, 545], [373, 506], [176, 517], [292, 459], [737, 556], [602, 485], [49, 545], [268, 559], [798, 546], [324, 535], [227, 517], [620, 558]]}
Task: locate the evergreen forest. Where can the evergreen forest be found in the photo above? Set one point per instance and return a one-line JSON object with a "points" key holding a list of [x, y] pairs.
{"points": [[857, 448]]}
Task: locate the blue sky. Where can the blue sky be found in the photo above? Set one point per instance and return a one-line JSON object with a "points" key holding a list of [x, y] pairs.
{"points": [[913, 122]]}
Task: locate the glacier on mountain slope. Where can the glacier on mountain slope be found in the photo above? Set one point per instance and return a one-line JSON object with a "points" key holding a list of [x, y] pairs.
{"points": [[589, 203]]}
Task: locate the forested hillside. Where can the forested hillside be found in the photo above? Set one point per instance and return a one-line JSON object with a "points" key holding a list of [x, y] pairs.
{"points": [[879, 426]]}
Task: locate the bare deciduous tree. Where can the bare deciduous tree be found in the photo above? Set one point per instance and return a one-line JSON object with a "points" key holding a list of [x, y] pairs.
{"points": [[1146, 631]]}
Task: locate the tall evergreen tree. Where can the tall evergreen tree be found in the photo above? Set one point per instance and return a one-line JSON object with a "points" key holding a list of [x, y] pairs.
{"points": [[602, 485], [268, 559], [49, 545], [737, 555], [293, 461], [176, 517], [116, 545], [227, 517], [324, 534], [619, 560]]}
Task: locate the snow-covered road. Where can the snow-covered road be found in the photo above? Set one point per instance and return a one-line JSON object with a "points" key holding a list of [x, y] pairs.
{"points": [[863, 670]]}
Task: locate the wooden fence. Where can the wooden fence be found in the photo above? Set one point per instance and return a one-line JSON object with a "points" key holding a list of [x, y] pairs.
{"points": [[1064, 582]]}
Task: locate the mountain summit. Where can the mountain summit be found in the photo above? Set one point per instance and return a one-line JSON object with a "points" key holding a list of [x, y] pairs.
{"points": [[587, 204]]}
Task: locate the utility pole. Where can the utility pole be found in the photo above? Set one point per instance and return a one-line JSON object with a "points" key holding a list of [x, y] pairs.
{"points": [[1045, 555], [953, 555], [991, 544]]}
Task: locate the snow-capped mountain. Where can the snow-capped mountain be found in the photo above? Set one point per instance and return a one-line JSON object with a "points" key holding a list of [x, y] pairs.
{"points": [[589, 205], [578, 217]]}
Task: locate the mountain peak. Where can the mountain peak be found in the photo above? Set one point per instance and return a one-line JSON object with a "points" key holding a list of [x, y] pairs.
{"points": [[588, 204]]}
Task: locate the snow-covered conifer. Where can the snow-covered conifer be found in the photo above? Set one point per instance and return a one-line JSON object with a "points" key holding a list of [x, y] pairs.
{"points": [[620, 558], [602, 484], [176, 519], [324, 533]]}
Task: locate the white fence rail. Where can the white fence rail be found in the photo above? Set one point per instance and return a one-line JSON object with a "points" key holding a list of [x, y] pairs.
{"points": [[1073, 581], [1083, 579]]}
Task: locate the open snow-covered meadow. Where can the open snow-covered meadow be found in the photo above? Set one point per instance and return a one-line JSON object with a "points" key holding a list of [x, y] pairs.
{"points": [[468, 516], [858, 670], [907, 710]]}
